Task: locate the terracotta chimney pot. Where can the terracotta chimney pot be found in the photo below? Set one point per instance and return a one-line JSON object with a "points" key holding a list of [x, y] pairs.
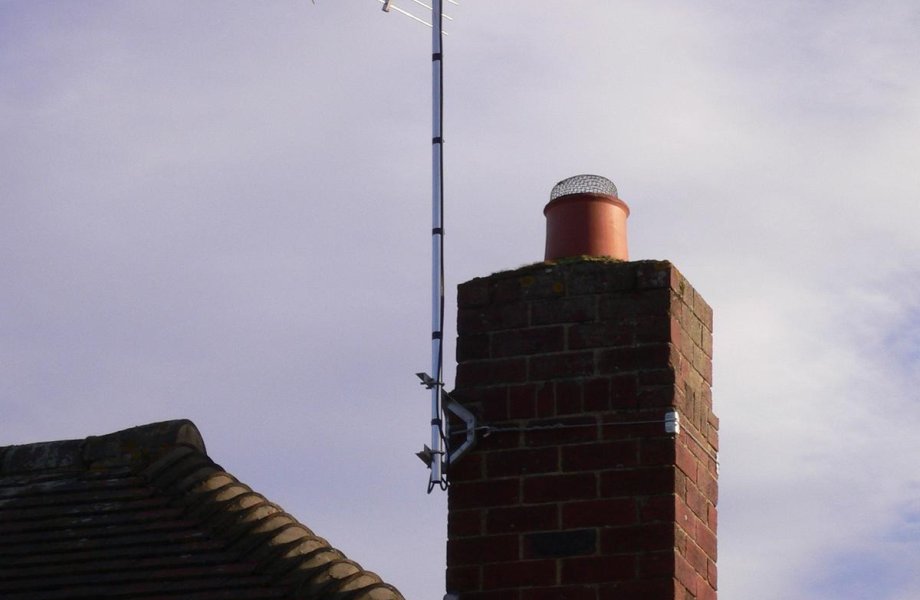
{"points": [[586, 217]]}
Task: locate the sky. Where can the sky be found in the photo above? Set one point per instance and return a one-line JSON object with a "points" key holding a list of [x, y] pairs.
{"points": [[220, 210]]}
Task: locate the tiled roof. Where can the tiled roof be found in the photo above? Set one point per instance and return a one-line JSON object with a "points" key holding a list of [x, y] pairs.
{"points": [[144, 514]]}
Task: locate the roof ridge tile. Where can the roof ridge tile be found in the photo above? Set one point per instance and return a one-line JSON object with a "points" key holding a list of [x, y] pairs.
{"points": [[164, 467]]}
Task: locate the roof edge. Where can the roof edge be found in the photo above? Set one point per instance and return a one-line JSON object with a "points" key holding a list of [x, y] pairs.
{"points": [[137, 445]]}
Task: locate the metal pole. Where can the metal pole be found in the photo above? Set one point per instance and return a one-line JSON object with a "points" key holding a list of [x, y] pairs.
{"points": [[437, 248]]}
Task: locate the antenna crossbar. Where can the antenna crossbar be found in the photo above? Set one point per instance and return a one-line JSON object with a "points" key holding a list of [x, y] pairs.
{"points": [[428, 6], [388, 5]]}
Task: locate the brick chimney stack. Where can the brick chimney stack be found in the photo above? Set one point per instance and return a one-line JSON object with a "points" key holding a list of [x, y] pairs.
{"points": [[578, 489]]}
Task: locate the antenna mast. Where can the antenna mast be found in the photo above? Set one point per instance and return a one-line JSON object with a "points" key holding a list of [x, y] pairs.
{"points": [[438, 456], [438, 436]]}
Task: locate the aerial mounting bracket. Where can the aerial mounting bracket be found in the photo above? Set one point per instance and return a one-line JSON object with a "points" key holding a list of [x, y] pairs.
{"points": [[469, 419]]}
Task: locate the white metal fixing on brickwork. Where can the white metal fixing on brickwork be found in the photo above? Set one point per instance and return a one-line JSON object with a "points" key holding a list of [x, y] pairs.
{"points": [[672, 422]]}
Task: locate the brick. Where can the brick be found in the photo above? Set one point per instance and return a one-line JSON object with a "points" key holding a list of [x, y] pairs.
{"points": [[473, 396], [712, 438], [602, 334], [563, 364], [495, 408], [530, 283], [656, 564], [646, 481], [560, 544], [553, 488], [493, 318], [566, 310], [593, 277], [648, 537], [702, 364], [685, 343], [568, 397], [706, 540], [560, 431], [663, 588], [649, 356], [598, 569], [483, 493], [686, 575], [599, 456], [702, 310], [607, 512], [522, 401], [623, 391], [706, 342], [697, 559], [492, 595], [712, 575], [632, 424], [680, 540], [682, 287], [473, 347], [490, 441], [534, 340], [522, 518], [655, 377], [680, 484], [491, 372], [464, 523], [510, 289], [474, 293], [657, 508], [698, 451], [617, 360], [596, 394], [661, 396], [706, 398], [684, 518], [482, 550], [694, 329], [657, 451], [682, 310], [568, 592], [546, 400], [468, 578], [618, 307], [525, 573], [469, 469], [657, 328], [709, 486], [686, 461], [655, 274], [705, 592], [507, 463], [636, 304]]}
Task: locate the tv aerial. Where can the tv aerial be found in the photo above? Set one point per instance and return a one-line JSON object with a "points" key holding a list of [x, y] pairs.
{"points": [[439, 456]]}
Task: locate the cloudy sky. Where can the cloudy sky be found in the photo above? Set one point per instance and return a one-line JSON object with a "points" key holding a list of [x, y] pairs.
{"points": [[220, 210]]}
